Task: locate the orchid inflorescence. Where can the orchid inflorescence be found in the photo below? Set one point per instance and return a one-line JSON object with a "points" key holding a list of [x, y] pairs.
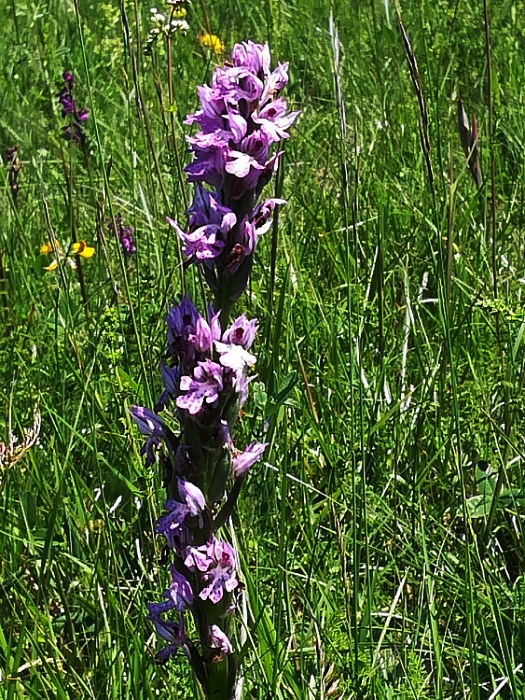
{"points": [[240, 118], [125, 235], [12, 158], [74, 131], [208, 360]]}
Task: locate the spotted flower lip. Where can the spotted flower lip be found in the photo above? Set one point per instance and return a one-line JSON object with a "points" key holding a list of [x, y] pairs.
{"points": [[203, 389], [216, 563]]}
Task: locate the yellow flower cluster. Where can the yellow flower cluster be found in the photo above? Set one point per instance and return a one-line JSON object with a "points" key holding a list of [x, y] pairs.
{"points": [[210, 41], [77, 248]]}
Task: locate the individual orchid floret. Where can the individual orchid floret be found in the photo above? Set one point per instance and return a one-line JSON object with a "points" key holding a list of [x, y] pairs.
{"points": [[203, 389], [174, 527], [171, 631], [218, 640], [171, 379], [180, 592], [206, 334], [254, 57], [216, 562], [156, 430], [192, 496], [241, 332], [234, 357], [208, 226], [150, 424], [182, 320], [243, 461]]}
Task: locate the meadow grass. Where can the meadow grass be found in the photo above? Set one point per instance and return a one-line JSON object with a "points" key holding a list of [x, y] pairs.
{"points": [[382, 538]]}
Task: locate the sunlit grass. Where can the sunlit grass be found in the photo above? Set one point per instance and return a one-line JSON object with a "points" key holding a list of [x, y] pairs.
{"points": [[382, 541]]}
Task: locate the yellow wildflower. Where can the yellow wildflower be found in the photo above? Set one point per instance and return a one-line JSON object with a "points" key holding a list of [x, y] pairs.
{"points": [[210, 41], [77, 248], [52, 267], [83, 249]]}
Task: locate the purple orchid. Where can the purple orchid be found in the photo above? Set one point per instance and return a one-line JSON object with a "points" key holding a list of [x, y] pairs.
{"points": [[180, 592], [125, 235], [173, 526], [203, 389], [207, 368], [192, 496], [171, 631], [74, 131], [241, 117]]}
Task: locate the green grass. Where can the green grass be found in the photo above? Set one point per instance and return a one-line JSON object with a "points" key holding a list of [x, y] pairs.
{"points": [[382, 558]]}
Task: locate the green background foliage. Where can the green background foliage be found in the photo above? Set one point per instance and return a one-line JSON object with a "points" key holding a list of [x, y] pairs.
{"points": [[382, 536]]}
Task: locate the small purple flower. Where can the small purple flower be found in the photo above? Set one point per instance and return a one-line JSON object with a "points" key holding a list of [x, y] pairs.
{"points": [[180, 592], [207, 333], [171, 631], [171, 378], [173, 527], [218, 640], [243, 461], [125, 235], [253, 57], [241, 332], [208, 226], [234, 357], [261, 217], [216, 562], [148, 422], [202, 389], [182, 320], [192, 496]]}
